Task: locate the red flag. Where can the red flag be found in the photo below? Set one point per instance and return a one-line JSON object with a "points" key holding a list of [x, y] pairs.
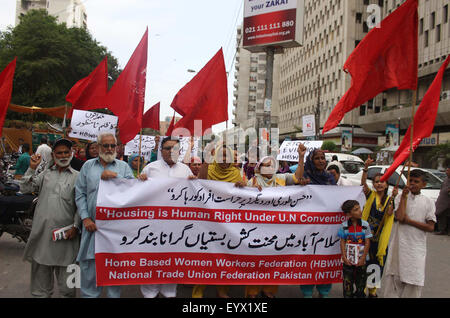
{"points": [[205, 97], [6, 86], [90, 92], [424, 120], [171, 126], [127, 96], [387, 57], [151, 118]]}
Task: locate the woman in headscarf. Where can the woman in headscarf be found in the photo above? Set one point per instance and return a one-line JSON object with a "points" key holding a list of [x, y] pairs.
{"points": [[317, 174], [133, 162], [379, 213], [221, 169], [266, 176]]}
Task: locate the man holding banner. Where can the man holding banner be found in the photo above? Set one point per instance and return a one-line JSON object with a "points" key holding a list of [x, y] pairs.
{"points": [[105, 167], [167, 167]]}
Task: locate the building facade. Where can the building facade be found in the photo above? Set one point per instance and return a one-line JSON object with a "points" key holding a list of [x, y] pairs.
{"points": [[71, 12], [312, 81], [249, 89]]}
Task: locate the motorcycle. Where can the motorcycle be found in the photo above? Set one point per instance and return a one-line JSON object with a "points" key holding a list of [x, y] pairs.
{"points": [[16, 209]]}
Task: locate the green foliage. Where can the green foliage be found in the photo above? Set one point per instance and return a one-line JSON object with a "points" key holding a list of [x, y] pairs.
{"points": [[51, 58], [329, 145], [439, 151]]}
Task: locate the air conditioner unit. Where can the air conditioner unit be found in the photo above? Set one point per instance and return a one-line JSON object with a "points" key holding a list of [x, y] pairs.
{"points": [[445, 95]]}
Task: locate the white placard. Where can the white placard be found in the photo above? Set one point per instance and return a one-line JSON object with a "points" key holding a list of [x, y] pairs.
{"points": [[148, 144], [88, 125], [288, 149]]}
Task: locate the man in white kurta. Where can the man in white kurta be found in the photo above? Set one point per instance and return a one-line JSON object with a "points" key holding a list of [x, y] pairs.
{"points": [[168, 167], [404, 274]]}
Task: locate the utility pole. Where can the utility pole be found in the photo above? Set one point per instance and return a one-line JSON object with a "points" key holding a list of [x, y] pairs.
{"points": [[268, 93], [317, 112]]}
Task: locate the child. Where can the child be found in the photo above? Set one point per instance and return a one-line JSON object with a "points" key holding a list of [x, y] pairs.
{"points": [[355, 237], [404, 274]]}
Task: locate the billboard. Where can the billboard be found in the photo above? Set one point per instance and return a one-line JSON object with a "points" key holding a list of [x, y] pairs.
{"points": [[272, 23], [346, 141], [392, 135]]}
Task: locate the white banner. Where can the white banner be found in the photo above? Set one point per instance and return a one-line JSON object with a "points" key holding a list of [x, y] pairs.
{"points": [[207, 232], [288, 149], [87, 125]]}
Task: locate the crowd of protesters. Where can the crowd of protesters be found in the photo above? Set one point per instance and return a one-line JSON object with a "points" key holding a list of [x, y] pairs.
{"points": [[67, 177]]}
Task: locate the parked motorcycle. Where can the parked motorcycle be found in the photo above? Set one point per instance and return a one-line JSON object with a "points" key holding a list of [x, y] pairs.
{"points": [[16, 209]]}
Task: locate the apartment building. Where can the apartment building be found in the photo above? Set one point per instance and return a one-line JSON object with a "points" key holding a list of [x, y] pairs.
{"points": [[71, 12]]}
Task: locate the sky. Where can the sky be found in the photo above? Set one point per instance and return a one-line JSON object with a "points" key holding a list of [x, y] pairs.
{"points": [[183, 35]]}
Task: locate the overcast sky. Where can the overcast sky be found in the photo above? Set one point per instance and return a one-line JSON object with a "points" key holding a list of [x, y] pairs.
{"points": [[183, 34]]}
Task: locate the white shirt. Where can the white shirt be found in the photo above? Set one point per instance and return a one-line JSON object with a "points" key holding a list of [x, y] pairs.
{"points": [[408, 246], [160, 169]]}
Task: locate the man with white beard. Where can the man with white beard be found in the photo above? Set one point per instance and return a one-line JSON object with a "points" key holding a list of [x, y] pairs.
{"points": [[104, 167], [55, 209]]}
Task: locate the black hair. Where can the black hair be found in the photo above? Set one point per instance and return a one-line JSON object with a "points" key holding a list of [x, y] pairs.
{"points": [[335, 158], [334, 167], [348, 206], [417, 173], [25, 147], [44, 139], [169, 138], [386, 191]]}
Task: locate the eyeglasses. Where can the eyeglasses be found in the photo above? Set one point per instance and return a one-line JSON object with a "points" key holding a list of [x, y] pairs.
{"points": [[106, 146], [174, 148]]}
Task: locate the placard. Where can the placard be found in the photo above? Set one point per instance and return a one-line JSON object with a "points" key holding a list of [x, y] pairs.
{"points": [[288, 149], [88, 125]]}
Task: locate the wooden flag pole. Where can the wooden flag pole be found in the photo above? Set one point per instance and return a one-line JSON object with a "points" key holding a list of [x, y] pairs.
{"points": [[139, 159], [411, 137]]}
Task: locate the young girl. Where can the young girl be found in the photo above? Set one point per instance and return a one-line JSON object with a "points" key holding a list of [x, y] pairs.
{"points": [[379, 213]]}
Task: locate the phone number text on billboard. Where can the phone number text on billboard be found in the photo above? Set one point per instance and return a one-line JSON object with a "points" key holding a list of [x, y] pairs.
{"points": [[272, 26]]}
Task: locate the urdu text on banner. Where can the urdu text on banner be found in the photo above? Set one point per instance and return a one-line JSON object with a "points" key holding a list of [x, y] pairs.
{"points": [[207, 232]]}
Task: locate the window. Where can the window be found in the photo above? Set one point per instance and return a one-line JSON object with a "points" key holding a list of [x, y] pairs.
{"points": [[438, 33], [445, 14]]}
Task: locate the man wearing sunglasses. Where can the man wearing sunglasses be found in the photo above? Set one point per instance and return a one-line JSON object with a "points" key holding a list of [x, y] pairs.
{"points": [[105, 167], [167, 167]]}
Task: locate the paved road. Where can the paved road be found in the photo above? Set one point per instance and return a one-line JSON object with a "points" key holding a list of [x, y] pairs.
{"points": [[15, 274]]}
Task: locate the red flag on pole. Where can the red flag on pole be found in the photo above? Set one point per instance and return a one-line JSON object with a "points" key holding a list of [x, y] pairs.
{"points": [[6, 86], [387, 57], [171, 126], [151, 118], [127, 96], [424, 120], [90, 92], [205, 97]]}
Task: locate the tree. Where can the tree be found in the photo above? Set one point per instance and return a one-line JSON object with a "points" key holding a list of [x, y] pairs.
{"points": [[329, 145], [51, 58]]}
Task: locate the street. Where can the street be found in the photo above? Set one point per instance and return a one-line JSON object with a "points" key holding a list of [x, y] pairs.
{"points": [[15, 274]]}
